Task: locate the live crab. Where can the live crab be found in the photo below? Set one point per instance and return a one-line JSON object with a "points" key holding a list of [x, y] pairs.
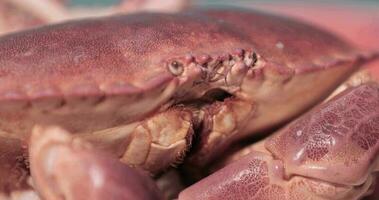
{"points": [[154, 90]]}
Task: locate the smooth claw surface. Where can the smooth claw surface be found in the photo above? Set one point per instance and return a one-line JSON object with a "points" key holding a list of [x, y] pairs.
{"points": [[70, 169], [309, 158]]}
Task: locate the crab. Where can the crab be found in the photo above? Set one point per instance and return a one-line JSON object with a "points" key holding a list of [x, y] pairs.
{"points": [[153, 90]]}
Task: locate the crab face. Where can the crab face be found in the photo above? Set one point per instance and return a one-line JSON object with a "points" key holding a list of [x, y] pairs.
{"points": [[143, 86]]}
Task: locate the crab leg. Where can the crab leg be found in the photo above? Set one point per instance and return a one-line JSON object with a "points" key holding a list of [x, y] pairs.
{"points": [[308, 158], [70, 169]]}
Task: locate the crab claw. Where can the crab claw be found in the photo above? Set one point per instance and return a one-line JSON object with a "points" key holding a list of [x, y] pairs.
{"points": [[67, 168], [331, 152]]}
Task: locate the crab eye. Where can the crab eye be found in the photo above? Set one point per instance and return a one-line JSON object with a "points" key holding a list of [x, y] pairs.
{"points": [[176, 68]]}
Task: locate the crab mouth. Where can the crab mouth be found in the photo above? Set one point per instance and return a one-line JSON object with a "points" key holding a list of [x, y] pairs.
{"points": [[199, 107], [216, 94], [216, 117], [209, 98]]}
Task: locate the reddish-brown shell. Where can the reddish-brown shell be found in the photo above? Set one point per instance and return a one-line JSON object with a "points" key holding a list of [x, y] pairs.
{"points": [[94, 60], [106, 52]]}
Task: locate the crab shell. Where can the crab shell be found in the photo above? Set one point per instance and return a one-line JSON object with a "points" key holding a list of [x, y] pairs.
{"points": [[130, 83]]}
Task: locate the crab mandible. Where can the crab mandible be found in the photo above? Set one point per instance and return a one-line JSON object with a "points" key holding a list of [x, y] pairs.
{"points": [[141, 86]]}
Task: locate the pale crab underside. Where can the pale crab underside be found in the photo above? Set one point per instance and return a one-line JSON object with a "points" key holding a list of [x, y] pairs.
{"points": [[141, 86]]}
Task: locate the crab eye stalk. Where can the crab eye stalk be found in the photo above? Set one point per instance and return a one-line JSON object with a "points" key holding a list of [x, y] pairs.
{"points": [[176, 68]]}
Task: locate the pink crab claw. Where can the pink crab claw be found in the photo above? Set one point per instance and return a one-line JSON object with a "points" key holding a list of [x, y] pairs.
{"points": [[332, 152], [67, 168]]}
